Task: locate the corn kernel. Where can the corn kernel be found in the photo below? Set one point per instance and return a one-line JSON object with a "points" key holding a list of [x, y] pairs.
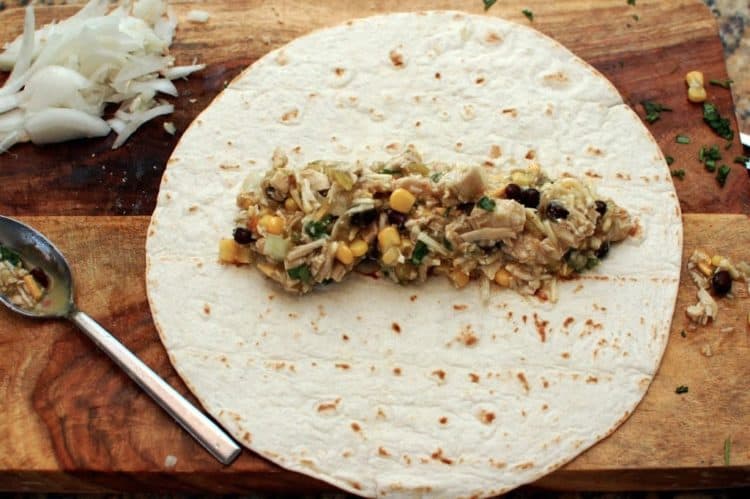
{"points": [[344, 254], [387, 238], [716, 260], [290, 204], [460, 279], [272, 224], [502, 278], [391, 256], [402, 200], [32, 286], [226, 250], [358, 247], [697, 94], [694, 79], [705, 268]]}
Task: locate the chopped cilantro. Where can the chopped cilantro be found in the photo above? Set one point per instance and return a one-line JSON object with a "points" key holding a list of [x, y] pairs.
{"points": [[721, 83], [631, 2], [529, 15], [653, 110], [722, 174], [419, 252], [741, 160], [727, 450], [669, 160], [488, 4], [435, 177], [681, 389], [318, 229], [710, 165], [717, 123], [486, 204], [680, 174], [301, 273], [682, 139], [9, 255]]}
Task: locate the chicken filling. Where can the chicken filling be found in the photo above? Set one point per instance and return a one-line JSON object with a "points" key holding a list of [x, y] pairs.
{"points": [[406, 220]]}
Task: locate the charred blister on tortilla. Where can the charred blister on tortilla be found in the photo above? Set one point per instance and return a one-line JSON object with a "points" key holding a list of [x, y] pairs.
{"points": [[406, 220]]}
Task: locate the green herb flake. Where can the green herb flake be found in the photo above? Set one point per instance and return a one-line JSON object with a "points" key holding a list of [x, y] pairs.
{"points": [[681, 389], [318, 229], [669, 160], [301, 273], [718, 124], [727, 450], [710, 165], [631, 2], [721, 83], [529, 15], [435, 177], [683, 334], [722, 174], [486, 204], [10, 256], [419, 252], [682, 139], [636, 17], [728, 146], [488, 4], [447, 244], [741, 160], [680, 174], [653, 110], [388, 171]]}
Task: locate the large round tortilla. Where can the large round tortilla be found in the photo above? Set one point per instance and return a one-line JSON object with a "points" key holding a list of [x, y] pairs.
{"points": [[466, 399]]}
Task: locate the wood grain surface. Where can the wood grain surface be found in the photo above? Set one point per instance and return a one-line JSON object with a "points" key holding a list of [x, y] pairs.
{"points": [[70, 421]]}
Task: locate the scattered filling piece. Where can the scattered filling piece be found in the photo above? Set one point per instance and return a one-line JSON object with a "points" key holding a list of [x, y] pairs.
{"points": [[23, 287], [696, 90], [712, 273], [720, 125], [405, 220], [653, 110]]}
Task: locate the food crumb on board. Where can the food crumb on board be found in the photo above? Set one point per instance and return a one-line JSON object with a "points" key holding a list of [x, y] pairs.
{"points": [[170, 461], [169, 127], [198, 16]]}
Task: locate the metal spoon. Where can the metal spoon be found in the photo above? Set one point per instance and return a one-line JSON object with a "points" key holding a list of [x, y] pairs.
{"points": [[37, 251]]}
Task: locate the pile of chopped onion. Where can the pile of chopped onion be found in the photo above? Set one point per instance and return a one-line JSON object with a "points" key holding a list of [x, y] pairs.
{"points": [[65, 74]]}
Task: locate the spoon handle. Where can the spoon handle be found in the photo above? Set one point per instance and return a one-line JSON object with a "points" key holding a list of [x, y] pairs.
{"points": [[205, 431]]}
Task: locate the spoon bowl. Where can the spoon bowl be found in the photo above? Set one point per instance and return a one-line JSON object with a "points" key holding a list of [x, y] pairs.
{"points": [[35, 250]]}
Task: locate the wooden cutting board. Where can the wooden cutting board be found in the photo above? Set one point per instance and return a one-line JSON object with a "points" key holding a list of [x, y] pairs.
{"points": [[70, 421]]}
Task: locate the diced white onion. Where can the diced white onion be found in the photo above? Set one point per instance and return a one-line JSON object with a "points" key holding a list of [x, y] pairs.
{"points": [[59, 124], [182, 71], [170, 128], [139, 119], [198, 16]]}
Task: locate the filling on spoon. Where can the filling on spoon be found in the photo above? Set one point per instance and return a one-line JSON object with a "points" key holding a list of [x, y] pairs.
{"points": [[406, 219], [22, 286]]}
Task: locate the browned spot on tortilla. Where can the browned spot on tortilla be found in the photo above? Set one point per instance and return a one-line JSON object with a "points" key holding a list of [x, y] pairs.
{"points": [[474, 377], [595, 325], [545, 383], [541, 327], [486, 417], [199, 265], [292, 315], [339, 71], [397, 371], [568, 321], [594, 151], [459, 145], [418, 124], [493, 37], [495, 151], [224, 166], [359, 317], [329, 406], [438, 456], [549, 109], [443, 420], [383, 452], [356, 427], [345, 337], [497, 464], [193, 209], [545, 407], [592, 174], [346, 453], [290, 115], [522, 378], [479, 80], [313, 95], [297, 149], [460, 307], [247, 437], [207, 309], [407, 459], [511, 111], [343, 366], [439, 373], [524, 466], [396, 58], [355, 485], [381, 414], [396, 327], [531, 154], [592, 379], [488, 164], [565, 355], [279, 365], [558, 77], [393, 147], [622, 176]]}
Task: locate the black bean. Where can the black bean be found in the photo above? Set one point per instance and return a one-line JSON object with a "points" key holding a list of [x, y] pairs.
{"points": [[557, 211], [274, 194], [397, 218], [513, 191], [603, 250], [466, 207], [243, 236], [721, 282], [40, 276], [363, 218], [529, 198], [601, 207]]}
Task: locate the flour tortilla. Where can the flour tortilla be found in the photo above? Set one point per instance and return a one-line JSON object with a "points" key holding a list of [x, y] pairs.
{"points": [[465, 399]]}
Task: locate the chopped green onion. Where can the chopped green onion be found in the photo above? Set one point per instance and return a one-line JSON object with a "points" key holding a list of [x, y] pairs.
{"points": [[529, 15], [710, 165], [682, 139], [721, 83], [722, 174], [318, 229], [681, 389], [488, 4], [486, 204], [653, 110], [435, 177], [388, 171], [727, 450], [631, 2], [669, 160], [301, 273], [419, 252], [718, 124], [680, 174], [9, 255], [741, 160]]}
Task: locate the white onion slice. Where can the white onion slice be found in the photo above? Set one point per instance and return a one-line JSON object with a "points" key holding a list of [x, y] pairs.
{"points": [[182, 71], [198, 16], [60, 124], [139, 119]]}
